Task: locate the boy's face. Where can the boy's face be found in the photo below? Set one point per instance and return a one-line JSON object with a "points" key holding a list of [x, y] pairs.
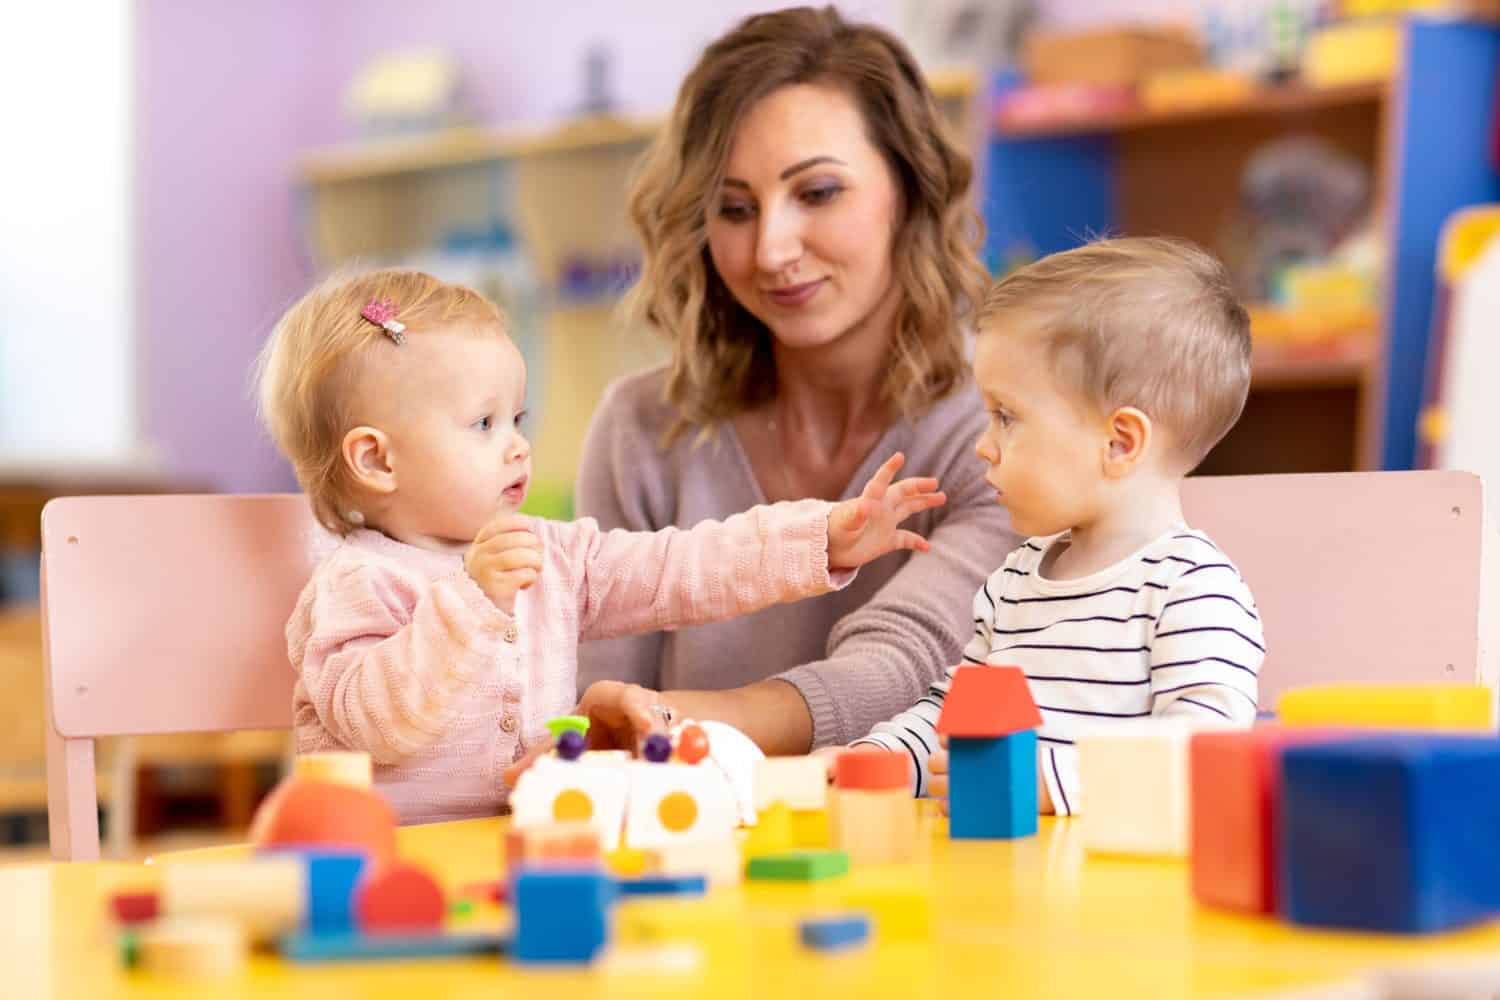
{"points": [[1045, 447]]}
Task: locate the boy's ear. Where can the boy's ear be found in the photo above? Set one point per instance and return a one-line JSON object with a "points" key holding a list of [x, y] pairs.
{"points": [[1130, 433], [366, 452]]}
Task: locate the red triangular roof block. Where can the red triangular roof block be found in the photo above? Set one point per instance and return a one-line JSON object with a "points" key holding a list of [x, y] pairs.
{"points": [[988, 702]]}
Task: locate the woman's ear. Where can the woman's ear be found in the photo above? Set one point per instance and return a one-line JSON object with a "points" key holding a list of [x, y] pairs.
{"points": [[1130, 434], [367, 455]]}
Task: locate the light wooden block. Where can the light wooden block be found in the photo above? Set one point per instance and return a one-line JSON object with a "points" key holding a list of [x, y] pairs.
{"points": [[800, 782], [590, 790], [678, 804], [194, 948], [341, 768], [1455, 707], [718, 861], [268, 896], [1134, 777], [873, 827], [574, 842]]}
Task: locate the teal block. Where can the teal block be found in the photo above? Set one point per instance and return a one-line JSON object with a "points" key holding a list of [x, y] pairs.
{"points": [[992, 787]]}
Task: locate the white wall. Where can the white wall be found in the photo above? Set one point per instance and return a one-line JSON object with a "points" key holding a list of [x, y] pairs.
{"points": [[67, 369]]}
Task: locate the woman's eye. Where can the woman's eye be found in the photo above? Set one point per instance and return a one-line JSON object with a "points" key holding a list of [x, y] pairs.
{"points": [[735, 211], [821, 195]]}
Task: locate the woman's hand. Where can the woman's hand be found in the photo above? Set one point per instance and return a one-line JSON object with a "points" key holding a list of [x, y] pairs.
{"points": [[621, 715], [865, 528]]}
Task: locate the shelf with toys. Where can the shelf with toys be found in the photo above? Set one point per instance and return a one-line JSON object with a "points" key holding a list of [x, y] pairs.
{"points": [[1322, 176]]}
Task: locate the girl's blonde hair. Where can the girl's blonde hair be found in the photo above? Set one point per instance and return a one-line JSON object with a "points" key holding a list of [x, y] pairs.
{"points": [[722, 362], [307, 369]]}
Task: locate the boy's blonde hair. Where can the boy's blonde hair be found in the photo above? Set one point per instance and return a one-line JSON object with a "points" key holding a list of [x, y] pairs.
{"points": [[306, 371], [1150, 323]]}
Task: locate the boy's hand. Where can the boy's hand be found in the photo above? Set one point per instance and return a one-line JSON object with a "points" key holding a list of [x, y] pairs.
{"points": [[937, 767], [865, 528], [620, 715], [505, 559]]}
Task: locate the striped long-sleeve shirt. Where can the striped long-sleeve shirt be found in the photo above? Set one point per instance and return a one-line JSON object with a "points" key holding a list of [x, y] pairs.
{"points": [[1170, 630]]}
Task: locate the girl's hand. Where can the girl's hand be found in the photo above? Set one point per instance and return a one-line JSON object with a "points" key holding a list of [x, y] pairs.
{"points": [[504, 560], [621, 715], [865, 528]]}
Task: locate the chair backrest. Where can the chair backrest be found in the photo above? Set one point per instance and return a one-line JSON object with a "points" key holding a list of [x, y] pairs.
{"points": [[163, 614], [1362, 576]]}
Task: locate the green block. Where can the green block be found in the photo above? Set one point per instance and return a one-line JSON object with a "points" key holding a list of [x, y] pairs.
{"points": [[798, 866], [130, 950], [563, 723]]}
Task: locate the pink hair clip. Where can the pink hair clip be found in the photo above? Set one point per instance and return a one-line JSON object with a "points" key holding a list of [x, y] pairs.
{"points": [[382, 312]]}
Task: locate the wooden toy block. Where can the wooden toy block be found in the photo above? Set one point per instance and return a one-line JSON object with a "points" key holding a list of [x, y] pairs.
{"points": [[562, 916], [988, 702], [1391, 833], [1235, 780], [772, 832], [268, 895], [834, 933], [992, 787], [339, 768], [990, 720], [901, 911], [799, 782], [717, 860], [571, 843], [1456, 707], [871, 770], [1134, 777], [134, 907], [798, 866], [810, 828], [874, 827], [678, 803], [351, 947], [591, 789], [400, 898], [301, 813], [663, 885], [626, 862], [332, 876], [201, 947]]}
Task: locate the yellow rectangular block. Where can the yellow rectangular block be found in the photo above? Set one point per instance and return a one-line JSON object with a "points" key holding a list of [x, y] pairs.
{"points": [[810, 828], [1458, 707]]}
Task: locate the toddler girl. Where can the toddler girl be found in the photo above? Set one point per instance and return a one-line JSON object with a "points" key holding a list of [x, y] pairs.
{"points": [[442, 631]]}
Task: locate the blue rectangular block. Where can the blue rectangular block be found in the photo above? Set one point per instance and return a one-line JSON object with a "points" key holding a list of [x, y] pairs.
{"points": [[663, 885], [992, 787], [332, 874], [355, 947], [1391, 832], [833, 933], [562, 914]]}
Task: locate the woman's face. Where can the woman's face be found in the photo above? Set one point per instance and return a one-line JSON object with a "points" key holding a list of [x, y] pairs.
{"points": [[801, 232]]}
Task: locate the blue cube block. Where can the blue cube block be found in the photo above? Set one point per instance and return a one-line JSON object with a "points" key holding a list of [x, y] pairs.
{"points": [[992, 787], [562, 914], [332, 874], [1391, 832]]}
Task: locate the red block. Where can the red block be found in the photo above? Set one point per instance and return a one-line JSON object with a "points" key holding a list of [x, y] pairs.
{"points": [[988, 702], [1236, 799], [872, 770], [400, 897], [134, 907]]}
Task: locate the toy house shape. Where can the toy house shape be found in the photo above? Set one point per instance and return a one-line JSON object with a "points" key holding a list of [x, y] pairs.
{"points": [[990, 720], [592, 790]]}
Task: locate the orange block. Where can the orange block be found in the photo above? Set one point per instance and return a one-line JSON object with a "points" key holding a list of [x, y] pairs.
{"points": [[305, 813], [570, 843], [1235, 790], [872, 770], [987, 702]]}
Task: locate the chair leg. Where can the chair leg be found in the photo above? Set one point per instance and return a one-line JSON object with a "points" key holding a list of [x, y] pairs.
{"points": [[122, 801], [72, 798]]}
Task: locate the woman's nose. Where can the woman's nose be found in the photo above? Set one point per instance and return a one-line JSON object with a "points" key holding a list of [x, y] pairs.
{"points": [[779, 243]]}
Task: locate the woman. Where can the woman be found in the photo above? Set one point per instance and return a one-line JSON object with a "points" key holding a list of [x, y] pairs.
{"points": [[809, 251]]}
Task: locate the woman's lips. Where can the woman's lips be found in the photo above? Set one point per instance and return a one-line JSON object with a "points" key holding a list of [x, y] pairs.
{"points": [[794, 295]]}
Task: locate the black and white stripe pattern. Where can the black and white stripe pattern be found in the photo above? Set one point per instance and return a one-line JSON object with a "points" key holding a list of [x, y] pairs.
{"points": [[1171, 630]]}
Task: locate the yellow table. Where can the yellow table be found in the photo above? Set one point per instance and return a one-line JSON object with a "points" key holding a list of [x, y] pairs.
{"points": [[1032, 918]]}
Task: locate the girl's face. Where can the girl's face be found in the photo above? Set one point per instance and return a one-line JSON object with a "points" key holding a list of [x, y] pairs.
{"points": [[801, 232], [451, 413]]}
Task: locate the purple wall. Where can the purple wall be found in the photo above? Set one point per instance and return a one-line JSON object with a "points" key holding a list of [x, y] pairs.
{"points": [[228, 97]]}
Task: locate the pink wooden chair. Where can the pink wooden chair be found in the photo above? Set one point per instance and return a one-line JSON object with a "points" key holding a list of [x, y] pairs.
{"points": [[1377, 576], [162, 614]]}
